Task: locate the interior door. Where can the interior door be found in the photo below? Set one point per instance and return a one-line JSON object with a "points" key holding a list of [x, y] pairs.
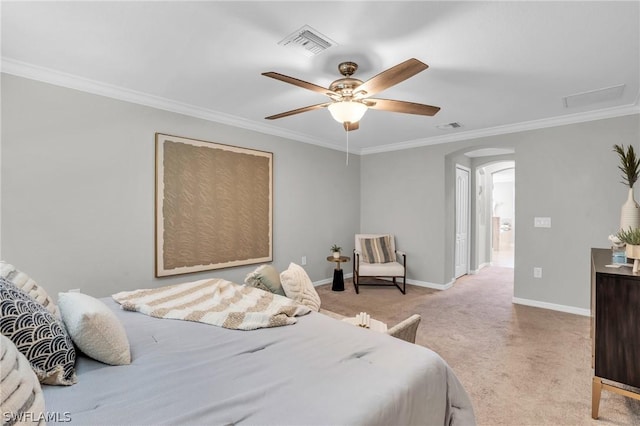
{"points": [[463, 202]]}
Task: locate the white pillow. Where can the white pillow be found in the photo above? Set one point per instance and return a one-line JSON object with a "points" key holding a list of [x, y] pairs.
{"points": [[94, 328], [298, 286], [21, 399]]}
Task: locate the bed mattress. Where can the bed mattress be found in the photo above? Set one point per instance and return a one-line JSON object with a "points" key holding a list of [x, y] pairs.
{"points": [[319, 371]]}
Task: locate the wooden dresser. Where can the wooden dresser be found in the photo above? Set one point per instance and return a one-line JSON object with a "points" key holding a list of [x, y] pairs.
{"points": [[615, 328]]}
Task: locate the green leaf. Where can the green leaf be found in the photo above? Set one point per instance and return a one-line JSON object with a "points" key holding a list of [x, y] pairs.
{"points": [[629, 164], [630, 236]]}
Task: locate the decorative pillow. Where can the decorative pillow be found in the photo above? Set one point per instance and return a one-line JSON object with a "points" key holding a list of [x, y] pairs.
{"points": [[94, 328], [377, 250], [266, 278], [298, 286], [29, 286], [21, 399], [38, 334]]}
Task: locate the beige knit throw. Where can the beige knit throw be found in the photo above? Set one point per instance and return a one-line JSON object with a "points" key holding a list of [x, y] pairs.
{"points": [[216, 302]]}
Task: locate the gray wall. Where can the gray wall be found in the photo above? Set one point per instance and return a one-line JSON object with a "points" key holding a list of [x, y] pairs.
{"points": [[78, 190], [78, 195], [403, 192], [568, 173]]}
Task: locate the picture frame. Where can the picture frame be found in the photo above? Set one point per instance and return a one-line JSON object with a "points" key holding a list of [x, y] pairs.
{"points": [[213, 206]]}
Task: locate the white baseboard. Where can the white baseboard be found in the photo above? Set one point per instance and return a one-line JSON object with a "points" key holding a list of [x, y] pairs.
{"points": [[552, 306], [482, 265], [431, 285], [330, 280], [409, 281]]}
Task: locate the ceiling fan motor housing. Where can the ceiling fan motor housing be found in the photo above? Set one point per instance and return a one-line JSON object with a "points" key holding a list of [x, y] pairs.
{"points": [[345, 86], [347, 68]]}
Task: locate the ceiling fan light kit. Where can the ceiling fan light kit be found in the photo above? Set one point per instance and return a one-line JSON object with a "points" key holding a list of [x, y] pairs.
{"points": [[347, 111], [350, 97]]}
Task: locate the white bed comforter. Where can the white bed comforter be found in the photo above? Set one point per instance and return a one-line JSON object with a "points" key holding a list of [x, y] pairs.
{"points": [[320, 371]]}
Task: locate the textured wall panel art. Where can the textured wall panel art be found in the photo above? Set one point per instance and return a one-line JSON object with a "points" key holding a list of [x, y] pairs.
{"points": [[214, 206]]}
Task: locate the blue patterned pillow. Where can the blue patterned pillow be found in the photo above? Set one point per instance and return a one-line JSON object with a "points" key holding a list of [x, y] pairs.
{"points": [[38, 335]]}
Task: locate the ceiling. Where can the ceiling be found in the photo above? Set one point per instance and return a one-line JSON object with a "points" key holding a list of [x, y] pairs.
{"points": [[494, 67]]}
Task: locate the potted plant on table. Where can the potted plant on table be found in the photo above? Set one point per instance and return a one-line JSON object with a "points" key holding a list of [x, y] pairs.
{"points": [[336, 250], [630, 168], [631, 237]]}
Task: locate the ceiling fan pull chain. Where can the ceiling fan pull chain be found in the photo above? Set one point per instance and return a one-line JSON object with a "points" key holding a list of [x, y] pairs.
{"points": [[347, 132]]}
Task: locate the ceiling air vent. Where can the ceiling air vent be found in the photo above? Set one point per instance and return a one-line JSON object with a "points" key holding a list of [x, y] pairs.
{"points": [[308, 41], [593, 96], [449, 126]]}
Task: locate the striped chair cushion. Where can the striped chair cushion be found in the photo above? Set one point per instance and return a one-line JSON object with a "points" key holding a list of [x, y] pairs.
{"points": [[38, 334], [377, 250], [22, 400]]}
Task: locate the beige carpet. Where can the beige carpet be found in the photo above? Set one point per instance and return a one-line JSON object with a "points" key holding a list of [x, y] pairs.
{"points": [[520, 365]]}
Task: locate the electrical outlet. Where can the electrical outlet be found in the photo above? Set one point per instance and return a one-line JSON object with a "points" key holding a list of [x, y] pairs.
{"points": [[537, 272], [542, 222], [304, 260], [74, 290]]}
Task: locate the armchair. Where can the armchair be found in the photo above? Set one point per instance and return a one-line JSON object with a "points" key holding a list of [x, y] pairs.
{"points": [[406, 329], [375, 256]]}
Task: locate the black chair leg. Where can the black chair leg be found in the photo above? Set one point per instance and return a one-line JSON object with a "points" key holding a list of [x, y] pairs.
{"points": [[403, 290]]}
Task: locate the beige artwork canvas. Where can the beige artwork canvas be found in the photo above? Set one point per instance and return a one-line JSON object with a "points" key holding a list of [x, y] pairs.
{"points": [[214, 205]]}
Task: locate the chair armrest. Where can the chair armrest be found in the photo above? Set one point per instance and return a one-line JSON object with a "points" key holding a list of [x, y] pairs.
{"points": [[400, 253]]}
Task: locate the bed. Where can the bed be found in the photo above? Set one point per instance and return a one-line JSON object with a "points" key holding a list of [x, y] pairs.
{"points": [[319, 371]]}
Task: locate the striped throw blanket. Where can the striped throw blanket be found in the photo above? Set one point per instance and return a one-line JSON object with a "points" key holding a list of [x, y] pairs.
{"points": [[216, 302]]}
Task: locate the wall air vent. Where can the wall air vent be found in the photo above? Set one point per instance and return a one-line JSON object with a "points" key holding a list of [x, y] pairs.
{"points": [[593, 96], [449, 126], [308, 41]]}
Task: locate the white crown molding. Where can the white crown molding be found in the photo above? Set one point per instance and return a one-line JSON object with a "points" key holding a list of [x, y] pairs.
{"points": [[46, 75], [57, 78], [552, 306], [511, 128]]}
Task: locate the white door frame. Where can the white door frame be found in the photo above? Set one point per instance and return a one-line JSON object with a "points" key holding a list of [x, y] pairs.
{"points": [[462, 212]]}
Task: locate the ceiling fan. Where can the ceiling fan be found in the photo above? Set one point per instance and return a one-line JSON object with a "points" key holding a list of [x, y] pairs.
{"points": [[350, 97]]}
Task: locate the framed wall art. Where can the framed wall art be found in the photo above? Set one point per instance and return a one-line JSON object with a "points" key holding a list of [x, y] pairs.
{"points": [[214, 206]]}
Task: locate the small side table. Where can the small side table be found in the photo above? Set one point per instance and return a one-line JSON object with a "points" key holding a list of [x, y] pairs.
{"points": [[338, 277]]}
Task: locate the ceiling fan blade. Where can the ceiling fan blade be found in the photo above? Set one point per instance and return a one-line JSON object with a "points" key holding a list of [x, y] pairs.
{"points": [[403, 106], [301, 83], [392, 76], [348, 126], [298, 111]]}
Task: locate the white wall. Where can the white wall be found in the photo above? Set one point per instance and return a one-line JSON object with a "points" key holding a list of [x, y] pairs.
{"points": [[78, 190]]}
